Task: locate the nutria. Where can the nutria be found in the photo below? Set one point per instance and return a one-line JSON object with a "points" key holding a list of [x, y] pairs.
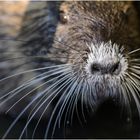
{"points": [[70, 57]]}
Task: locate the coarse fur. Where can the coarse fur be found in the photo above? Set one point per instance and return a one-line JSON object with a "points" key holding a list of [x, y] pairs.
{"points": [[68, 57]]}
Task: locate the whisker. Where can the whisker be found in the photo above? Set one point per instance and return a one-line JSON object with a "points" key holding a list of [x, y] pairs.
{"points": [[134, 51], [126, 98], [26, 85], [69, 95], [135, 75], [135, 60], [49, 88], [131, 88], [57, 105], [73, 103], [28, 94], [18, 117], [134, 80], [85, 91], [135, 70], [136, 67], [63, 106], [136, 89], [9, 129], [33, 70], [55, 95], [91, 103], [82, 105], [31, 90], [58, 90], [62, 87]]}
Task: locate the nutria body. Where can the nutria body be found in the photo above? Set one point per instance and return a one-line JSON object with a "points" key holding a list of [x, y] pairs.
{"points": [[71, 57]]}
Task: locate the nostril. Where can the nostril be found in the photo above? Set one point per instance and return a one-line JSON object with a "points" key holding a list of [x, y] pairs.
{"points": [[105, 69], [95, 68], [115, 68]]}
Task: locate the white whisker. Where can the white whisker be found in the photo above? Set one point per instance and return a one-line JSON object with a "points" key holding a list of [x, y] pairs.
{"points": [[69, 95], [18, 117], [32, 70], [58, 90], [91, 103], [133, 91], [135, 60], [27, 84], [126, 97], [135, 70], [134, 51], [55, 93], [82, 105], [63, 106], [73, 104], [65, 92]]}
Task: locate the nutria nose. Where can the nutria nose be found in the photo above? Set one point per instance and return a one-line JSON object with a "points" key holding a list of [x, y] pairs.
{"points": [[111, 68]]}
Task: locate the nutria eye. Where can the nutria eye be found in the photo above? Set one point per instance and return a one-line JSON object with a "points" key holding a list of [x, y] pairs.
{"points": [[63, 17]]}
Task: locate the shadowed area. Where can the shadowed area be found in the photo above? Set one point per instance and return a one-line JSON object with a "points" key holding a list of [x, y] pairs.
{"points": [[107, 122]]}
